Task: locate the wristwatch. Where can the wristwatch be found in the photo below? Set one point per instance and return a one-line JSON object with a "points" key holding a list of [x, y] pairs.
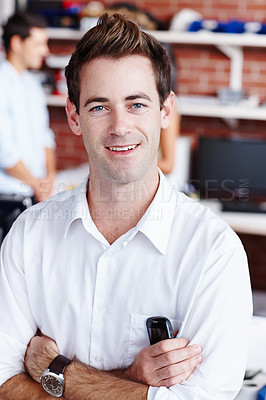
{"points": [[52, 379]]}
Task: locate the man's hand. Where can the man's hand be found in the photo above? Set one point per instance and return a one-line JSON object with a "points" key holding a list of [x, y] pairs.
{"points": [[41, 351], [166, 363]]}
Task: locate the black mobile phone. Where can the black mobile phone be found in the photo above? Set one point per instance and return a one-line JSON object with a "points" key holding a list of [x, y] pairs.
{"points": [[159, 328]]}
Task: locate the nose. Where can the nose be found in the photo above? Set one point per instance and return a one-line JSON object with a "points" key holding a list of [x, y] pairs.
{"points": [[46, 50], [44, 46], [119, 122]]}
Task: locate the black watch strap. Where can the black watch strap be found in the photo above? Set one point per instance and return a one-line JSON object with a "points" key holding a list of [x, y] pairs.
{"points": [[59, 364]]}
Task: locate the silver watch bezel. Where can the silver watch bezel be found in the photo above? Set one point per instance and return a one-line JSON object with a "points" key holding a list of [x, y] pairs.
{"points": [[60, 380]]}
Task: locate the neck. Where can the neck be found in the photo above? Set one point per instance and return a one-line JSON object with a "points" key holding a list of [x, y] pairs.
{"points": [[16, 63], [116, 208]]}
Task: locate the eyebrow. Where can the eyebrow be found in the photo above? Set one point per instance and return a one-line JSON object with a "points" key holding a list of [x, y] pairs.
{"points": [[139, 96], [105, 99], [95, 100]]}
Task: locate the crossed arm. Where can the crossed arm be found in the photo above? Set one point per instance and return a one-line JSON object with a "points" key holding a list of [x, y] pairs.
{"points": [[42, 188], [164, 364]]}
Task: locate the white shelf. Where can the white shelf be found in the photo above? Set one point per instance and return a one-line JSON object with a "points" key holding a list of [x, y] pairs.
{"points": [[201, 37], [251, 223], [57, 61], [64, 33], [56, 100], [211, 38], [206, 107]]}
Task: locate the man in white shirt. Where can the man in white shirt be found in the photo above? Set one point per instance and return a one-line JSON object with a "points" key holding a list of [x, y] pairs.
{"points": [[89, 266], [27, 147]]}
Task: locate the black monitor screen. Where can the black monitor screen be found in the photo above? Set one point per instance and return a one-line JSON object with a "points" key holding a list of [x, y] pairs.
{"points": [[232, 168]]}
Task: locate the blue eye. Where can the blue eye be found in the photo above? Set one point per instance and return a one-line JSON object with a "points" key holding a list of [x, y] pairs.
{"points": [[138, 105], [98, 108]]}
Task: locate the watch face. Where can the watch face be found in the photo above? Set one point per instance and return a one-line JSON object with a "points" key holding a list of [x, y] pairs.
{"points": [[52, 385]]}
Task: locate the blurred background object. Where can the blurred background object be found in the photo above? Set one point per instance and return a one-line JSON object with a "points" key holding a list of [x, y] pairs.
{"points": [[7, 8]]}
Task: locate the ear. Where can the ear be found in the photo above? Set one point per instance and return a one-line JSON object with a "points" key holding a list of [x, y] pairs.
{"points": [[16, 43], [167, 111], [73, 118]]}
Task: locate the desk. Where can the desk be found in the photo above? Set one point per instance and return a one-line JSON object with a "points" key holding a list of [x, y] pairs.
{"points": [[250, 223]]}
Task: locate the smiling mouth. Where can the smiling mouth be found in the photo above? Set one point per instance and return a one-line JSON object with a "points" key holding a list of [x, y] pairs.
{"points": [[122, 148]]}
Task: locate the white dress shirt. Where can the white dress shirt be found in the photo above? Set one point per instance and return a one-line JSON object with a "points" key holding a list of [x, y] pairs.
{"points": [[24, 127], [59, 274]]}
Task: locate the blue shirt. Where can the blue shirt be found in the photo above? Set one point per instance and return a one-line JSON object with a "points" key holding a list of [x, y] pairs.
{"points": [[24, 127]]}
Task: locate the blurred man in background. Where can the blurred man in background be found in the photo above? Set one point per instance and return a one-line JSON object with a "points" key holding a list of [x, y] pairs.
{"points": [[27, 147], [27, 156]]}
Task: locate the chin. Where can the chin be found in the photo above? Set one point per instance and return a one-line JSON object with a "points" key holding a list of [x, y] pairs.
{"points": [[127, 177], [36, 65]]}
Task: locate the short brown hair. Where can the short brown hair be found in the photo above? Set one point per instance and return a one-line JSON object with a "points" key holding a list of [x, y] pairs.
{"points": [[114, 37], [20, 24]]}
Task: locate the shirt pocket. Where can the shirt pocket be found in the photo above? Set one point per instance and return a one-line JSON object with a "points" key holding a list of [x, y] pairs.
{"points": [[138, 335]]}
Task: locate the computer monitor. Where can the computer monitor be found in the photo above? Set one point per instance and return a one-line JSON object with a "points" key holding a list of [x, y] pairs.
{"points": [[232, 169]]}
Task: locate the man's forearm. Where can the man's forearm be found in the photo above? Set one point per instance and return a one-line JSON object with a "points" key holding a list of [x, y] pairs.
{"points": [[81, 383], [50, 162], [85, 383], [19, 171], [22, 387]]}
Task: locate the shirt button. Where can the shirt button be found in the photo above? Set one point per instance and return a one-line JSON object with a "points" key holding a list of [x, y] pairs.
{"points": [[101, 309], [99, 358]]}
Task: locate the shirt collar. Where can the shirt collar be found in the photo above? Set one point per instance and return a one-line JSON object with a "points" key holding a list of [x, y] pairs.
{"points": [[77, 206], [155, 224], [157, 221]]}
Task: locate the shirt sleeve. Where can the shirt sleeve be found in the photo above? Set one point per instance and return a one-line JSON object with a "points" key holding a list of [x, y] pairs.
{"points": [[219, 320], [9, 155], [17, 324]]}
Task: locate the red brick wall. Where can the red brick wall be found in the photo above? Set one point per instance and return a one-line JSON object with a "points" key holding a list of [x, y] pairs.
{"points": [[70, 150], [212, 9], [255, 247], [204, 69]]}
